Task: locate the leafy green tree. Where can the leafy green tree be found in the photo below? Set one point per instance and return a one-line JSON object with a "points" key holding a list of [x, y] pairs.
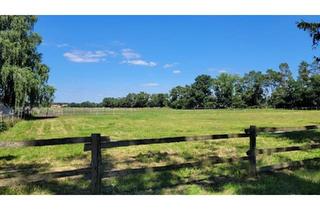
{"points": [[141, 99], [110, 102], [179, 97], [315, 86], [23, 76], [304, 73], [284, 96], [47, 96], [130, 100], [158, 100], [253, 89], [225, 90], [272, 79], [314, 31], [201, 90], [210, 102], [285, 74], [88, 104], [304, 90]]}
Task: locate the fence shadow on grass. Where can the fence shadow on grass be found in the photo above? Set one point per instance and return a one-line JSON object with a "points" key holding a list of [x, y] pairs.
{"points": [[15, 177], [55, 187], [31, 118], [8, 157], [230, 175], [151, 181], [298, 136], [215, 179], [10, 170], [282, 182]]}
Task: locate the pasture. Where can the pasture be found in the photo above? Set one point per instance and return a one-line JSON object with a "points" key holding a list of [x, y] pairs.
{"points": [[123, 124]]}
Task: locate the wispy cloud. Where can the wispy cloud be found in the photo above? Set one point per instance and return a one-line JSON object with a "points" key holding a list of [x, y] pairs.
{"points": [[133, 58], [170, 65], [117, 43], [141, 63], [218, 70], [83, 56], [223, 71], [176, 71], [62, 45], [129, 54], [151, 84]]}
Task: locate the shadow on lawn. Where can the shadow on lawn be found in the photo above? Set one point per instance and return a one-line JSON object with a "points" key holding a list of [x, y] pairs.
{"points": [[10, 170], [298, 136], [231, 176], [213, 179], [210, 179], [39, 117], [21, 172], [8, 157]]}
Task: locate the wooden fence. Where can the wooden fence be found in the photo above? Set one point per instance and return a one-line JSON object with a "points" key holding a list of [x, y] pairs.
{"points": [[95, 143]]}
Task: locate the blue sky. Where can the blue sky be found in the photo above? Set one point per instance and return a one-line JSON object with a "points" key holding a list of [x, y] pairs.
{"points": [[92, 57]]}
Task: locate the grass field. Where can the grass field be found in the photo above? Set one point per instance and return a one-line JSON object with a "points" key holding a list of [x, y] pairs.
{"points": [[127, 124]]}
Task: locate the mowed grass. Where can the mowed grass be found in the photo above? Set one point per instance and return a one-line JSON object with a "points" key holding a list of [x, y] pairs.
{"points": [[148, 123]]}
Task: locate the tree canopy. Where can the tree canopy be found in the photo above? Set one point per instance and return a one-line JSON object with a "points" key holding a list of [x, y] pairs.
{"points": [[274, 88], [23, 76]]}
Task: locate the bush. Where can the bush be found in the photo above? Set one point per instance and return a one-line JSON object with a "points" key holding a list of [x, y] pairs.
{"points": [[6, 124], [3, 126]]}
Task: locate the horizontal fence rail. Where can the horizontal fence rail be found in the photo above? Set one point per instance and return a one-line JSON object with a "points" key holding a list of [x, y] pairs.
{"points": [[125, 143]]}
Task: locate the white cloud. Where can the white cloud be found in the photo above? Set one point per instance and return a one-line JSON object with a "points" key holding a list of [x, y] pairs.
{"points": [[82, 56], [169, 65], [223, 71], [129, 54], [151, 84], [219, 70], [133, 58], [141, 63], [176, 71], [63, 45], [117, 43]]}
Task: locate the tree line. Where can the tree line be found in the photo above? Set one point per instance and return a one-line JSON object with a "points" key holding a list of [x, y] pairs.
{"points": [[255, 89]]}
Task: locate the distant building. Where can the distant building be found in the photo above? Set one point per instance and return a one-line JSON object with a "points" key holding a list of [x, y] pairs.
{"points": [[59, 105], [5, 110]]}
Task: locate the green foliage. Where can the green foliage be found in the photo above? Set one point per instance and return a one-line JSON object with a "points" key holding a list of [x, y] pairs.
{"points": [[84, 104], [139, 100], [225, 89], [314, 31], [253, 89], [23, 77], [278, 89]]}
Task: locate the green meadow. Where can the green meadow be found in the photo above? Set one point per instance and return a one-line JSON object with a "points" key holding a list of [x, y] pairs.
{"points": [[121, 124]]}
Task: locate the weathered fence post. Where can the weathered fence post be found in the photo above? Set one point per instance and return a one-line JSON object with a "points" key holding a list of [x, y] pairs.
{"points": [[252, 151], [95, 163]]}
